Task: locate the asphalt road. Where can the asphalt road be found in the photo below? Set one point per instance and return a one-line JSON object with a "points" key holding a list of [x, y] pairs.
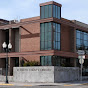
{"points": [[45, 86]]}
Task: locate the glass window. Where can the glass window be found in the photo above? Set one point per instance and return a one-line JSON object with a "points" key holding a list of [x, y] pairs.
{"points": [[78, 42], [58, 28], [54, 36], [49, 36], [54, 45], [58, 47], [58, 37], [42, 12], [49, 27], [45, 60], [46, 11], [54, 26], [42, 60], [85, 36], [42, 45], [46, 37], [49, 45], [46, 27], [77, 31], [42, 36], [49, 61], [42, 27], [59, 12], [54, 11], [78, 35], [81, 40], [46, 45], [85, 43], [50, 10]]}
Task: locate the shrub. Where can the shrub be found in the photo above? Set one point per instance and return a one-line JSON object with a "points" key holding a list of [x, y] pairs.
{"points": [[31, 63]]}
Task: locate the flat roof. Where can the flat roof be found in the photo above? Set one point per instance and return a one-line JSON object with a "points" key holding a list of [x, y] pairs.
{"points": [[51, 2]]}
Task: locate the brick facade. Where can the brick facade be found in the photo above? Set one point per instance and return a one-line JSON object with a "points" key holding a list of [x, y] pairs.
{"points": [[29, 39]]}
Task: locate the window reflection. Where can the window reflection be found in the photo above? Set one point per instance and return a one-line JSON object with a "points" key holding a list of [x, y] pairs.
{"points": [[48, 11], [49, 30], [81, 40]]}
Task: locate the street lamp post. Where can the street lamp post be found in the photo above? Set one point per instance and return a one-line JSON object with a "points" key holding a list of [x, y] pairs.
{"points": [[7, 49]]}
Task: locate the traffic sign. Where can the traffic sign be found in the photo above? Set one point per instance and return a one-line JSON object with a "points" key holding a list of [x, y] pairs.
{"points": [[81, 61], [81, 56], [81, 52]]}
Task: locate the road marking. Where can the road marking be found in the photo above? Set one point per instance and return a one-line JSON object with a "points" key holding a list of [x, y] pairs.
{"points": [[68, 85], [27, 85], [7, 84], [84, 84]]}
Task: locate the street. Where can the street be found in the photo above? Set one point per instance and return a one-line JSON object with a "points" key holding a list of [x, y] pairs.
{"points": [[48, 86]]}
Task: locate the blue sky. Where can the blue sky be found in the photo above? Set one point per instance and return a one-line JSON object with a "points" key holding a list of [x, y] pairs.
{"points": [[20, 9]]}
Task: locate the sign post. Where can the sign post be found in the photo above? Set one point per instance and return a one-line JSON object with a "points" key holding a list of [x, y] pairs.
{"points": [[81, 58]]}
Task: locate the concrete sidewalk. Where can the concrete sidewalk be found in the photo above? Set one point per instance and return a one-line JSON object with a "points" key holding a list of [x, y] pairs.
{"points": [[45, 84]]}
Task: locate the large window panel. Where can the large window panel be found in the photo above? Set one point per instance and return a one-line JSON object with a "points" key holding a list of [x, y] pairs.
{"points": [[81, 40], [49, 61], [52, 61], [58, 37], [42, 37], [46, 47], [49, 45], [58, 46], [58, 28], [54, 11], [42, 12], [50, 38], [85, 36], [78, 35], [46, 11], [59, 13], [42, 61], [42, 45], [56, 33], [85, 43], [45, 60], [78, 42], [50, 10], [49, 26], [46, 27]]}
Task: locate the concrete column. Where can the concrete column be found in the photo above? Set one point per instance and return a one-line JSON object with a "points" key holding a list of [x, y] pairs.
{"points": [[19, 44], [0, 41], [10, 35], [12, 39], [74, 39]]}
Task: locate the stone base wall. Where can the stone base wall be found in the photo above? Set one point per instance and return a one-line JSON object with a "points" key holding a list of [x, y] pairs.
{"points": [[48, 74], [3, 78]]}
